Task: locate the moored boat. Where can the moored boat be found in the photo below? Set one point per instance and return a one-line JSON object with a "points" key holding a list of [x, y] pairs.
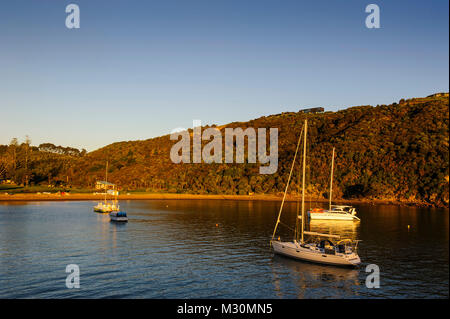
{"points": [[118, 216], [102, 207], [323, 251], [337, 212], [312, 246], [107, 205]]}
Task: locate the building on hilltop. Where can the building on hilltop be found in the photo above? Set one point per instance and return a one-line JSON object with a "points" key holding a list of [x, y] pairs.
{"points": [[313, 110]]}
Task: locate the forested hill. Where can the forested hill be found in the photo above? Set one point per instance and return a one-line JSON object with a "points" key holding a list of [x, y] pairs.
{"points": [[391, 152]]}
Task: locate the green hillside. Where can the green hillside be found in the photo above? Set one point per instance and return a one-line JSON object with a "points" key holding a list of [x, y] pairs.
{"points": [[392, 152]]}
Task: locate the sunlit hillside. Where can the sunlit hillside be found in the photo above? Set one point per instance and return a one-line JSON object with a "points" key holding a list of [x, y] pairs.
{"points": [[393, 152]]}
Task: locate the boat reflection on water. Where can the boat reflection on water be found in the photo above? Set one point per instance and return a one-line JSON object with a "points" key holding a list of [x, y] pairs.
{"points": [[311, 280], [107, 232], [345, 228]]}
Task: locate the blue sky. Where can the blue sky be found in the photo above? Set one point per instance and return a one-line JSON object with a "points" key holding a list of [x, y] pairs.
{"points": [[138, 69]]}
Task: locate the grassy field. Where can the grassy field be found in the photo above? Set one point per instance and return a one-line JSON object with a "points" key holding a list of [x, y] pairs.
{"points": [[16, 189]]}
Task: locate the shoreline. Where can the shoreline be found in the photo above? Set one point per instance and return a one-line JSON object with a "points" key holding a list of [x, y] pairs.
{"points": [[169, 196]]}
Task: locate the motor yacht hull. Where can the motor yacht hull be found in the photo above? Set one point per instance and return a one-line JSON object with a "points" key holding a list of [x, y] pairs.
{"points": [[332, 216]]}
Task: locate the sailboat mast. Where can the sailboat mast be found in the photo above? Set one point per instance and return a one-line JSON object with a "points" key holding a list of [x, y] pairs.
{"points": [[303, 180], [331, 178], [297, 219], [287, 184], [106, 179], [115, 194]]}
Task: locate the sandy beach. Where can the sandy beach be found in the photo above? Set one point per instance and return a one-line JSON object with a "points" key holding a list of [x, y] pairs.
{"points": [[168, 196]]}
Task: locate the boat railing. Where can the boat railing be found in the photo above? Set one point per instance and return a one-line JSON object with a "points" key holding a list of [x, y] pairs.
{"points": [[321, 234]]}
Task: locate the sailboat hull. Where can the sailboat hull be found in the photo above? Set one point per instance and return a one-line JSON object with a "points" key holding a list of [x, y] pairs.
{"points": [[101, 210], [293, 250]]}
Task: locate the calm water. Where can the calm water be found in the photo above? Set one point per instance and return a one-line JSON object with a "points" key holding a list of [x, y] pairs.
{"points": [[173, 249]]}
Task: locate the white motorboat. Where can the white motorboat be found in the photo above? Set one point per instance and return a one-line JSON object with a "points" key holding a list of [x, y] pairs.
{"points": [[337, 212], [312, 246]]}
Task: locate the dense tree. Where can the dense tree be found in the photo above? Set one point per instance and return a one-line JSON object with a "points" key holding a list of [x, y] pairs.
{"points": [[395, 152]]}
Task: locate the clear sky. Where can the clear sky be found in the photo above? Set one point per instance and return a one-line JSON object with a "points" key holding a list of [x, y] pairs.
{"points": [[138, 69]]}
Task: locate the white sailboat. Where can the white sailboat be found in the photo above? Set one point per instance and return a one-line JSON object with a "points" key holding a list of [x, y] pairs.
{"points": [[334, 212], [102, 207], [105, 206], [313, 246]]}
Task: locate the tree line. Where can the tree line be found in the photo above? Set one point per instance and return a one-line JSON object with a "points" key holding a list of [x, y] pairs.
{"points": [[390, 152], [47, 163]]}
